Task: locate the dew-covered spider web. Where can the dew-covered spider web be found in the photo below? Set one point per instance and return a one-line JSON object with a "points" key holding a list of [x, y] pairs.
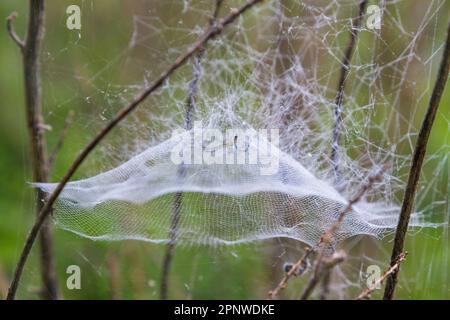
{"points": [[221, 203], [276, 67]]}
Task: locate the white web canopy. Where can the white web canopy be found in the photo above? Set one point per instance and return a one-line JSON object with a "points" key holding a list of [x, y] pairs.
{"points": [[276, 67], [222, 203]]}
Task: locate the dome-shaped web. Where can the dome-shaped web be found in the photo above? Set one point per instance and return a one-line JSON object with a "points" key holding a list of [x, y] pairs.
{"points": [[223, 202], [275, 68]]}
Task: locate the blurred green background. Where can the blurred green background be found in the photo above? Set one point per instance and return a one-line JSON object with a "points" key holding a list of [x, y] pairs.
{"points": [[131, 269]]}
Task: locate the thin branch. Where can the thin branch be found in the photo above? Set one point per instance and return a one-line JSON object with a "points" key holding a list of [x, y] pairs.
{"points": [[3, 283], [416, 165], [367, 293], [296, 269], [371, 180], [326, 237], [176, 215], [212, 32], [10, 28], [322, 270], [60, 143], [176, 209], [339, 100], [114, 276], [326, 285], [30, 49], [215, 14], [36, 129]]}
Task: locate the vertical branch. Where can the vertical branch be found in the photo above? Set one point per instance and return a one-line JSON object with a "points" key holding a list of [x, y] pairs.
{"points": [[339, 100], [323, 272], [326, 281], [30, 49], [112, 264], [338, 103], [167, 262], [3, 283], [176, 208], [31, 63], [416, 167]]}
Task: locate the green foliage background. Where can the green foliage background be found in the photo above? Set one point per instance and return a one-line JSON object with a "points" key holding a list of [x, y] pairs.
{"points": [[240, 272]]}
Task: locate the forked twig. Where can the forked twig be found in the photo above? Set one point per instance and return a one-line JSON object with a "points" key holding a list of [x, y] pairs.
{"points": [[295, 270], [371, 180], [322, 270], [366, 293], [212, 32], [338, 104], [326, 238], [112, 265], [30, 50], [10, 28], [176, 208], [416, 166]]}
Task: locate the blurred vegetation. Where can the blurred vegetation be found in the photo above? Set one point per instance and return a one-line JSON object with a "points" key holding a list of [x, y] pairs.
{"points": [[132, 267]]}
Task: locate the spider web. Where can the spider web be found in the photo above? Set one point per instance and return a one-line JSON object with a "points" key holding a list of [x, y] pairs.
{"points": [[277, 67]]}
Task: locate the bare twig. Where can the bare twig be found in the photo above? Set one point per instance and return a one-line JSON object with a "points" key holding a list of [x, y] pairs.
{"points": [[3, 283], [62, 137], [10, 28], [326, 237], [416, 165], [176, 215], [367, 293], [176, 208], [339, 100], [296, 269], [212, 32], [323, 267], [320, 271], [371, 180], [112, 264], [31, 53], [326, 285], [30, 49]]}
